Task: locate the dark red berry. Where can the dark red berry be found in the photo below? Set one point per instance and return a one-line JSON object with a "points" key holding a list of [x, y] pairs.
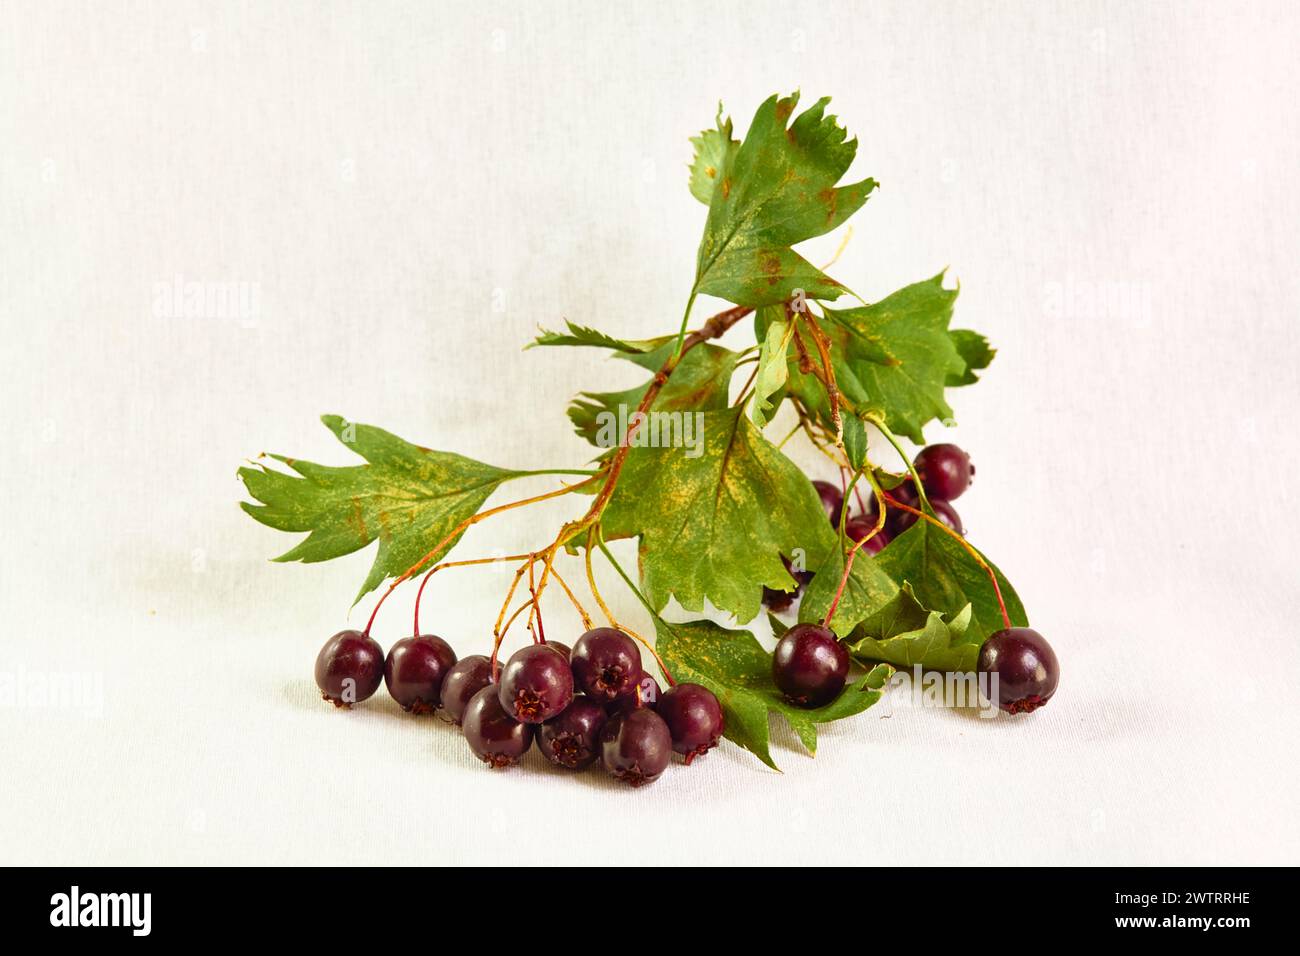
{"points": [[945, 471], [1026, 668], [606, 663], [572, 739], [469, 676], [636, 747], [694, 718], [832, 500], [495, 737], [564, 649], [858, 528], [647, 694], [536, 684], [870, 507], [810, 666], [905, 492], [349, 668], [415, 670]]}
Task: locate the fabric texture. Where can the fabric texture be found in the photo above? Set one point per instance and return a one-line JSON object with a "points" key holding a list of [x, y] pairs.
{"points": [[378, 203]]}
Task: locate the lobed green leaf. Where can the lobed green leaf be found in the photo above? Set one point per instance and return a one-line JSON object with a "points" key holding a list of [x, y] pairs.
{"points": [[777, 189], [408, 498], [714, 526]]}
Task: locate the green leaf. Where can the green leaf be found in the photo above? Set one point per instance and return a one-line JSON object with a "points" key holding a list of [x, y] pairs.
{"points": [[868, 589], [777, 189], [855, 441], [408, 497], [713, 148], [772, 368], [893, 358], [901, 355], [887, 479], [904, 633], [699, 383], [735, 667], [975, 351], [584, 336], [945, 578], [715, 525]]}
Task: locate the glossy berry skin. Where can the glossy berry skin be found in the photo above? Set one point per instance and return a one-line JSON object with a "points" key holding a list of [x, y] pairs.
{"points": [[349, 668], [469, 676], [694, 718], [905, 492], [858, 528], [832, 500], [536, 684], [606, 664], [572, 739], [809, 665], [564, 649], [648, 693], [945, 471], [1026, 668], [636, 747], [415, 670], [899, 520], [495, 737]]}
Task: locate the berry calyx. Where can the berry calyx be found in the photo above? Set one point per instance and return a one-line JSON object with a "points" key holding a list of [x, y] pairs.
{"points": [[694, 718], [636, 747], [832, 500], [606, 663], [536, 684], [572, 739], [646, 693], [495, 737], [349, 668], [469, 676], [1026, 668], [809, 665], [414, 672], [945, 471]]}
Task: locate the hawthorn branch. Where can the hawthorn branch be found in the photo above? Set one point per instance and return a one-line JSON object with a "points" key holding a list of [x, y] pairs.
{"points": [[824, 350], [712, 329]]}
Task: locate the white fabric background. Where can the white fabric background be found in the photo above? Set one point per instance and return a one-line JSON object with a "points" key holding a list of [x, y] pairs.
{"points": [[413, 188]]}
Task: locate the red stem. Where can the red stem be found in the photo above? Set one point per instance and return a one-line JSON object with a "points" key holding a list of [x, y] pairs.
{"points": [[541, 630], [419, 594], [844, 578]]}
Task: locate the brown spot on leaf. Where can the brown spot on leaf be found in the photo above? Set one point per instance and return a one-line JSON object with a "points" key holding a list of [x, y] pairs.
{"points": [[356, 519], [726, 188], [829, 197], [770, 265], [784, 108], [710, 171]]}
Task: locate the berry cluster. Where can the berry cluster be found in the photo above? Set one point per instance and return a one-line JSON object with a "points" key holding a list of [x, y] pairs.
{"points": [[945, 472], [810, 665], [592, 702]]}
